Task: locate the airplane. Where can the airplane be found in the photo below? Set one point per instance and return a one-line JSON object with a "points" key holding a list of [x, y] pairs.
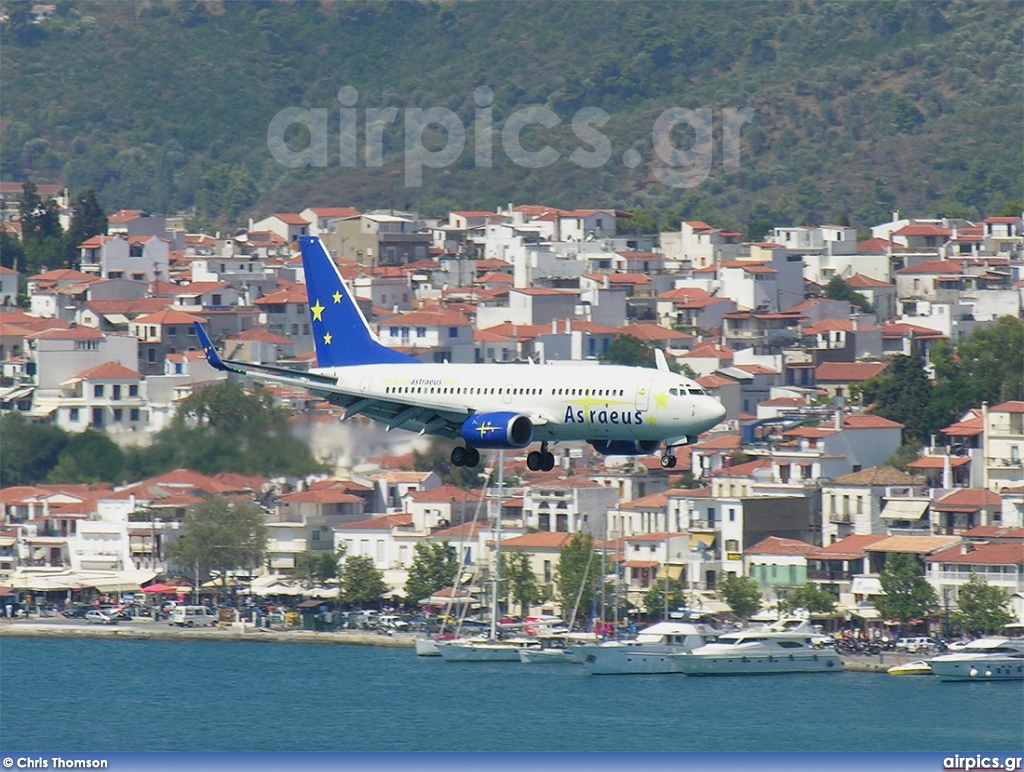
{"points": [[619, 410]]}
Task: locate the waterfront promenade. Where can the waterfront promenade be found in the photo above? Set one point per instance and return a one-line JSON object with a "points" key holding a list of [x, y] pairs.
{"points": [[146, 630]]}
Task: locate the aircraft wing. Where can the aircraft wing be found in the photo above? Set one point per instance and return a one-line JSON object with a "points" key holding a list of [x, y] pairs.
{"points": [[412, 416]]}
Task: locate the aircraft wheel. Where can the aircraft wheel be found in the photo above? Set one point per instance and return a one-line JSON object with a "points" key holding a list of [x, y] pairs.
{"points": [[548, 462], [668, 461], [459, 456], [534, 461], [473, 457]]}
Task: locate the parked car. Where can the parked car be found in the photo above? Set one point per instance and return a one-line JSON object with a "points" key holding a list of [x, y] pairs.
{"points": [[76, 611], [392, 622], [97, 617], [919, 643], [193, 616]]}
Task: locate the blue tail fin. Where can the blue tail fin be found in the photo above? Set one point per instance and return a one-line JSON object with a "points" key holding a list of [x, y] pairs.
{"points": [[211, 353], [340, 331]]}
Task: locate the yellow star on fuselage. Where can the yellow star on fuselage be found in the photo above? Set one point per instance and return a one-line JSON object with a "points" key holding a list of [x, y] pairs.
{"points": [[327, 339], [652, 420], [318, 312], [337, 296], [661, 401]]}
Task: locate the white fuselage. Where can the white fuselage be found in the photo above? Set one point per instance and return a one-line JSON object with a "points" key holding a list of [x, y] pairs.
{"points": [[563, 402]]}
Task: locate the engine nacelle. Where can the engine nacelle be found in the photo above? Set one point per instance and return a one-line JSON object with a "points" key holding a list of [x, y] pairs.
{"points": [[625, 447], [497, 431]]}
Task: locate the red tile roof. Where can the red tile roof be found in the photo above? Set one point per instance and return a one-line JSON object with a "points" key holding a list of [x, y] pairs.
{"points": [[967, 500], [860, 281], [775, 545], [381, 523], [848, 372], [109, 371], [869, 422], [169, 316], [850, 548], [981, 555], [539, 540], [939, 267]]}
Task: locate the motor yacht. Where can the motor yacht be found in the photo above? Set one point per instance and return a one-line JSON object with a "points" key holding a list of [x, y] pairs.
{"points": [[788, 646], [651, 650], [986, 659]]}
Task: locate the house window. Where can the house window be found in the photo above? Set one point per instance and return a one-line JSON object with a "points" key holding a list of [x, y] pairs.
{"points": [[117, 391], [732, 514], [453, 332], [151, 355], [295, 329], [97, 390], [316, 535], [393, 332], [134, 415], [172, 330], [421, 332], [73, 415], [135, 250], [216, 300], [138, 277], [133, 391], [711, 514], [547, 572], [732, 545], [97, 417], [118, 415]]}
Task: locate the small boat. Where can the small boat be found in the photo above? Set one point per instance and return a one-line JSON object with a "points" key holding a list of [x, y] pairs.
{"points": [[920, 667], [486, 650], [555, 648], [788, 646], [986, 659]]}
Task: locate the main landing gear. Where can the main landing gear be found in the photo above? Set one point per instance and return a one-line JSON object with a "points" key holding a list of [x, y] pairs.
{"points": [[468, 456], [540, 460], [668, 461]]}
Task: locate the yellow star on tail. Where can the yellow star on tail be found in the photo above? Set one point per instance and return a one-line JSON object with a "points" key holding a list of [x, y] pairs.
{"points": [[337, 297], [327, 339], [318, 312]]}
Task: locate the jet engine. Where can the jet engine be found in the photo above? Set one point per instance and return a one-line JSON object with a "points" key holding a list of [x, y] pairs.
{"points": [[497, 431], [625, 447]]}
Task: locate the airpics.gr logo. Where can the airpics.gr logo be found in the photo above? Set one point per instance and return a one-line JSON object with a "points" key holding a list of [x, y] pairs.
{"points": [[684, 167], [958, 762]]}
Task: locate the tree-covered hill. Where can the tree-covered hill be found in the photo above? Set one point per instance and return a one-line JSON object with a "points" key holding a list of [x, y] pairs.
{"points": [[860, 106]]}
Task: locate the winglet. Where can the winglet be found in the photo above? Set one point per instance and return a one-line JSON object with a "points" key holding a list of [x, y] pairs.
{"points": [[660, 361], [212, 357]]}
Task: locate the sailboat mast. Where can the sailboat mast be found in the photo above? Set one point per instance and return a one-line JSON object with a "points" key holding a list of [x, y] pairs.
{"points": [[497, 547]]}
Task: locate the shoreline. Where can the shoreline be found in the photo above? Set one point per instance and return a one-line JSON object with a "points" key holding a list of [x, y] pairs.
{"points": [[248, 634], [232, 633]]}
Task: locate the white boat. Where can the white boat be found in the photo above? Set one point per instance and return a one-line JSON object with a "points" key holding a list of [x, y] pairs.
{"points": [[986, 659], [920, 667], [486, 650], [555, 648], [789, 646], [650, 652]]}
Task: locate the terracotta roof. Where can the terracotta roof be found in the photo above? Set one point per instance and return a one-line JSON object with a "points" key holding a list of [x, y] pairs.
{"points": [[850, 548], [334, 211], [744, 470], [291, 294], [922, 230], [967, 500], [913, 544], [938, 267], [446, 494], [65, 275], [860, 281], [775, 545], [381, 523], [323, 496], [539, 540], [938, 462], [653, 501], [968, 427], [169, 316], [71, 333], [876, 475], [1008, 407], [260, 335], [869, 422], [874, 246], [982, 555], [461, 531], [994, 532], [109, 371], [848, 372], [290, 219]]}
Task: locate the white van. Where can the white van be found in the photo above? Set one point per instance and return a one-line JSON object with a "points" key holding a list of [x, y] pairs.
{"points": [[193, 616]]}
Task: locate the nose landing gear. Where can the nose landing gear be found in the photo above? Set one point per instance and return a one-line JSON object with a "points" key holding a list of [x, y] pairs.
{"points": [[540, 461]]}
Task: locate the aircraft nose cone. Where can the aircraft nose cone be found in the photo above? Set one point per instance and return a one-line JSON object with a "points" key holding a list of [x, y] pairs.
{"points": [[714, 412]]}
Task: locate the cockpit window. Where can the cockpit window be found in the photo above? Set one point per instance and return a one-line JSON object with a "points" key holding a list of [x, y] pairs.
{"points": [[674, 392], [697, 391]]}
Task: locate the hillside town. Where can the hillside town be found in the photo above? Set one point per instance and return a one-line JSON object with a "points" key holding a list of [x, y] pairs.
{"points": [[795, 486]]}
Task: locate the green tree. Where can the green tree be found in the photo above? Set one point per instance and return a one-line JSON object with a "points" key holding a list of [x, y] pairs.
{"points": [[629, 351], [317, 567], [639, 222], [837, 289], [907, 593], [983, 609], [88, 221], [434, 567], [221, 535], [29, 451], [362, 583], [811, 597], [87, 458], [577, 576], [520, 579], [742, 595], [12, 252], [222, 428], [901, 395], [654, 598]]}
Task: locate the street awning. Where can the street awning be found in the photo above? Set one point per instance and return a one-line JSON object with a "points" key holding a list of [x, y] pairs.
{"points": [[866, 585], [905, 509], [865, 613], [674, 572], [640, 563], [701, 540]]}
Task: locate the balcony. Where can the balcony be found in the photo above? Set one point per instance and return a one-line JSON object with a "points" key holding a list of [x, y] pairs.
{"points": [[821, 575]]}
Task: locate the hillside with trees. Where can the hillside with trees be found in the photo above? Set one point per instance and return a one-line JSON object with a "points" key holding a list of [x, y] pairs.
{"points": [[860, 108]]}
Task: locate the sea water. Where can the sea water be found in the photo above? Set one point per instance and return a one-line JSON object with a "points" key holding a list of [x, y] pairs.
{"points": [[103, 696]]}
